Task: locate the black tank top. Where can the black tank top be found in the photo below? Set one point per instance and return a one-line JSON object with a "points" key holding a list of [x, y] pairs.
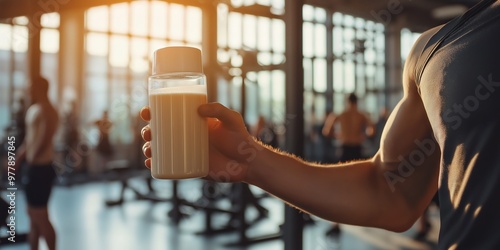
{"points": [[458, 76]]}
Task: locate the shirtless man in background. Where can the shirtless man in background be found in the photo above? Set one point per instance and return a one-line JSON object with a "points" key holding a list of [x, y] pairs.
{"points": [[38, 151], [354, 128]]}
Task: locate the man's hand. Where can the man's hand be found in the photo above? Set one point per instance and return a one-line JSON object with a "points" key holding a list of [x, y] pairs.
{"points": [[231, 147]]}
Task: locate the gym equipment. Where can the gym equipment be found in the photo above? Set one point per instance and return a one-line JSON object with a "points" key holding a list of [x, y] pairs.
{"points": [[120, 170]]}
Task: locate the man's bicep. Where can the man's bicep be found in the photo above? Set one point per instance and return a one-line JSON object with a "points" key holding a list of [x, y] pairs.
{"points": [[407, 125], [409, 156]]}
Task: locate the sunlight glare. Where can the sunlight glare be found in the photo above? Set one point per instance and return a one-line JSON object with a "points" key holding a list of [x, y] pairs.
{"points": [[193, 27], [177, 19], [119, 50], [97, 18], [264, 32], [159, 19], [50, 20], [6, 38], [97, 44], [119, 18], [20, 20], [139, 18], [234, 30], [249, 36], [278, 83], [20, 39], [320, 40], [319, 75], [349, 83], [278, 36], [49, 41]]}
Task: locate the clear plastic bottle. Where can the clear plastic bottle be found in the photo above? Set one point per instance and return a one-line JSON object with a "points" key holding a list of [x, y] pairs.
{"points": [[177, 87]]}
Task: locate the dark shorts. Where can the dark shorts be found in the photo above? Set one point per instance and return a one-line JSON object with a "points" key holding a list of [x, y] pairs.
{"points": [[39, 181], [351, 152]]}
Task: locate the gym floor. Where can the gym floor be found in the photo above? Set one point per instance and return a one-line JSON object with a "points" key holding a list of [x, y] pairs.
{"points": [[83, 222]]}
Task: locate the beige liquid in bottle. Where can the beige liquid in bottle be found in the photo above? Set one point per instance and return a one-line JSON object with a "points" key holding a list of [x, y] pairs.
{"points": [[179, 144]]}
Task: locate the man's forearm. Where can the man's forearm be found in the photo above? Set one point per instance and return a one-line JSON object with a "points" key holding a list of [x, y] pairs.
{"points": [[354, 193]]}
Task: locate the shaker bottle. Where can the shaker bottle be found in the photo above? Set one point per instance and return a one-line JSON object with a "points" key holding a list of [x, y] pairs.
{"points": [[179, 142]]}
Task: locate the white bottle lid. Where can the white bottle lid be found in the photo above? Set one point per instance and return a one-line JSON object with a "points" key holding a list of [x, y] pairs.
{"points": [[176, 59]]}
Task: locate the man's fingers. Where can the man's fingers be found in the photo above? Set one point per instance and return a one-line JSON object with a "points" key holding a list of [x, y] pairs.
{"points": [[145, 114], [146, 133], [146, 149], [228, 117]]}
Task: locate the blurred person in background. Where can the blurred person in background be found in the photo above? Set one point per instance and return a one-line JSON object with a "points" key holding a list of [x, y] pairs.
{"points": [[37, 150]]}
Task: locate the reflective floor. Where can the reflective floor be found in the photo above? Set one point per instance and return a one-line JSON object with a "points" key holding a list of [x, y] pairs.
{"points": [[84, 222]]}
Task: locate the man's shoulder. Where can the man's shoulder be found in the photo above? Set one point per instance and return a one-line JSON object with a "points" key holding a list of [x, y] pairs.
{"points": [[349, 114], [421, 42], [417, 50]]}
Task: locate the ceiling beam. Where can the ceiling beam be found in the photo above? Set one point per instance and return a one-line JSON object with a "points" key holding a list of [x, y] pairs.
{"points": [[416, 13], [14, 8]]}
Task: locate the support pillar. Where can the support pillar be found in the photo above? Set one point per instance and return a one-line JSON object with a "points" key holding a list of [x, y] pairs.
{"points": [[393, 63], [294, 88], [211, 67], [71, 55], [34, 53]]}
